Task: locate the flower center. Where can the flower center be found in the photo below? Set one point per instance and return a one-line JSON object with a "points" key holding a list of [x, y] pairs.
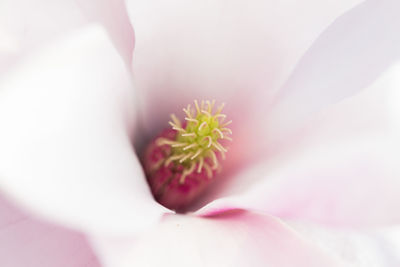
{"points": [[181, 161]]}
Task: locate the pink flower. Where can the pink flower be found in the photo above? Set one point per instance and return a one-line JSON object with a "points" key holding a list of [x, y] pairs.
{"points": [[312, 88]]}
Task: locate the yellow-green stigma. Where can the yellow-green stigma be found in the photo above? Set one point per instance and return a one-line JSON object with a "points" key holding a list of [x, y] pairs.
{"points": [[198, 142]]}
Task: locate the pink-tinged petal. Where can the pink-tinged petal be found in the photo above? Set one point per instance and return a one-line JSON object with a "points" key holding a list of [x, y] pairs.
{"points": [[348, 57], [237, 238], [232, 51], [32, 23], [341, 170], [66, 117], [27, 241]]}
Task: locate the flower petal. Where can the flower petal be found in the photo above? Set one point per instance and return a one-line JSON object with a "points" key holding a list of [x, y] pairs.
{"points": [[26, 241], [342, 171], [229, 50], [30, 24], [66, 117], [347, 58], [238, 238], [366, 248]]}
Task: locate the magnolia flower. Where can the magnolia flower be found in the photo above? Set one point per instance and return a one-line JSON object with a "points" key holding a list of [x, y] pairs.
{"points": [[311, 178]]}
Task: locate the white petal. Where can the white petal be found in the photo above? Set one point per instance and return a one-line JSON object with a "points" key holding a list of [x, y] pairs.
{"points": [[27, 241], [347, 58], [341, 170], [234, 51], [30, 24], [234, 239], [113, 251], [9, 47], [361, 248], [65, 151]]}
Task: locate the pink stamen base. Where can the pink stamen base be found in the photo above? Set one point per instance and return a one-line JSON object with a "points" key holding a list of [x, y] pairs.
{"points": [[164, 180]]}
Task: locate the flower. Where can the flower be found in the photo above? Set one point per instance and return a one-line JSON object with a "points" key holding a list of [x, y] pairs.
{"points": [[312, 175]]}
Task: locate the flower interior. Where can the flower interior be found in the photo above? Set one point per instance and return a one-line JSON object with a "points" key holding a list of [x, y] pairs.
{"points": [[182, 159]]}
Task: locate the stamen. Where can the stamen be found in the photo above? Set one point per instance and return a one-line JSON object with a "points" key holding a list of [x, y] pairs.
{"points": [[209, 108], [197, 106], [223, 116], [188, 112], [162, 141], [155, 166], [226, 130], [189, 134], [179, 129], [206, 112], [228, 138], [165, 141], [176, 121], [220, 108], [190, 146], [197, 153], [172, 158], [185, 157], [192, 120], [226, 123], [179, 144], [209, 141], [187, 172], [214, 158], [201, 162], [208, 169], [223, 155], [219, 147], [202, 125], [212, 105], [219, 132], [216, 146]]}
